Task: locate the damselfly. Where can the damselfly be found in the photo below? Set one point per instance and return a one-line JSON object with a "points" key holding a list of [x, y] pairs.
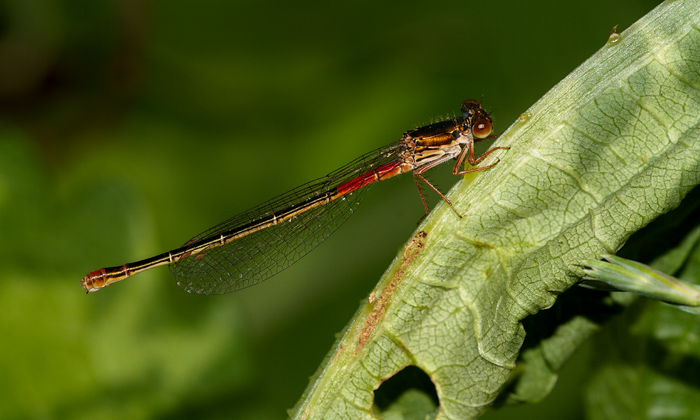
{"points": [[261, 242]]}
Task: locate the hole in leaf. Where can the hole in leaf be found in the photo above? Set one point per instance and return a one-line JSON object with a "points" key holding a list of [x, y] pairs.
{"points": [[410, 393]]}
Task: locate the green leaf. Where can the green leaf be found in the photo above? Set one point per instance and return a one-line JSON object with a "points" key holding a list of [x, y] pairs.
{"points": [[647, 359], [605, 152]]}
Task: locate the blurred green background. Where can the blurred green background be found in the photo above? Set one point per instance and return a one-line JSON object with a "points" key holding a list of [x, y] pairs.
{"points": [[127, 127]]}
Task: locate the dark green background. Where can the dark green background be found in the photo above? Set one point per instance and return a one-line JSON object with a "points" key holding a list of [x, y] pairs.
{"points": [[127, 127]]}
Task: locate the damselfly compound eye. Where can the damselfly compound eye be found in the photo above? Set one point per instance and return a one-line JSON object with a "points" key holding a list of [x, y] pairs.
{"points": [[482, 128]]}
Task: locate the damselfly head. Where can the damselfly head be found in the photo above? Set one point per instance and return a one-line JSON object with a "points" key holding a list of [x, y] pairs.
{"points": [[478, 118]]}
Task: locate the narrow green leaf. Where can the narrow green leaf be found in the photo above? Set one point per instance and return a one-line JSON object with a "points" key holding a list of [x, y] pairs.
{"points": [[605, 152], [631, 276]]}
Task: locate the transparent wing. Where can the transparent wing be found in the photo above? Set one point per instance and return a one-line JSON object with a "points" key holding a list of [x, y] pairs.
{"points": [[262, 254]]}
